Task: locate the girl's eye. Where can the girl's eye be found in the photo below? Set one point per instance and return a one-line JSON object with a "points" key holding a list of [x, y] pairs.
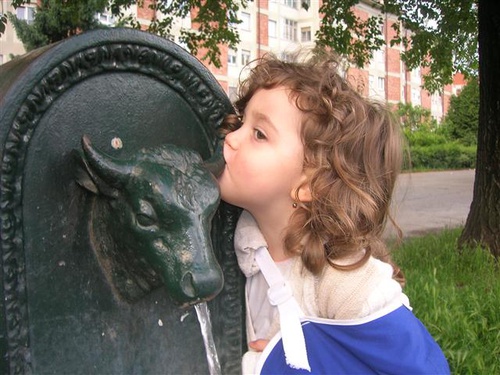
{"points": [[259, 135]]}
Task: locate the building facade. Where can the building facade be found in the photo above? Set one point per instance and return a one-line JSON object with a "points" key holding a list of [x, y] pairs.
{"points": [[282, 27]]}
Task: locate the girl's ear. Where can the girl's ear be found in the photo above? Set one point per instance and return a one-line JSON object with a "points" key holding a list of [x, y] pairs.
{"points": [[303, 192]]}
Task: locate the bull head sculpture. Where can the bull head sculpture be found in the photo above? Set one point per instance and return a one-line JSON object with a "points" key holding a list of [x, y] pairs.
{"points": [[151, 221]]}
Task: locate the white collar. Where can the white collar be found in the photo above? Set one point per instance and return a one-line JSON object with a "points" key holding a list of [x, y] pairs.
{"points": [[247, 239]]}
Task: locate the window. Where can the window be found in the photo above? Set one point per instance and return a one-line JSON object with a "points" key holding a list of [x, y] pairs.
{"points": [[415, 96], [436, 99], [289, 29], [25, 13], [436, 106], [285, 56], [245, 57], [381, 83], [106, 18], [379, 57], [245, 21], [231, 57], [291, 3], [272, 29], [415, 75], [376, 86], [305, 34]]}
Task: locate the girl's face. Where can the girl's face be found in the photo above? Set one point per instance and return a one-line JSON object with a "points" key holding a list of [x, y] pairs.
{"points": [[264, 158]]}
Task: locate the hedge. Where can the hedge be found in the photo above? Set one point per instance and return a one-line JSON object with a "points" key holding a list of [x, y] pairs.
{"points": [[449, 155]]}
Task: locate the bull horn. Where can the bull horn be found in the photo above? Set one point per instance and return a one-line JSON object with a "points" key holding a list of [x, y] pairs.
{"points": [[216, 163], [109, 170]]}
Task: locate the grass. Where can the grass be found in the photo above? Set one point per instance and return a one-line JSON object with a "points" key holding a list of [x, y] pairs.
{"points": [[457, 296]]}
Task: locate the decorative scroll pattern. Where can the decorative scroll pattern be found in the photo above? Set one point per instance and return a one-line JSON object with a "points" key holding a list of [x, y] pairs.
{"points": [[229, 305], [146, 60]]}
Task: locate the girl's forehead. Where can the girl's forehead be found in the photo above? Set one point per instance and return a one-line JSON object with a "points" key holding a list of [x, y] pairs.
{"points": [[268, 96]]}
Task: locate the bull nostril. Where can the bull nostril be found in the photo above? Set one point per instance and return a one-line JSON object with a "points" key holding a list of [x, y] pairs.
{"points": [[187, 285]]}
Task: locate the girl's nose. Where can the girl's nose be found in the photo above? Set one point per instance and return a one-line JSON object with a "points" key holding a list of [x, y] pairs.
{"points": [[232, 139]]}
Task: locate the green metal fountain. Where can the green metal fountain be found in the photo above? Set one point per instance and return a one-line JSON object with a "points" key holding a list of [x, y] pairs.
{"points": [[112, 227]]}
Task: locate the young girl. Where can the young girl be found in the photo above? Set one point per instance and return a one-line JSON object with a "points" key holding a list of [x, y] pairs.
{"points": [[313, 165]]}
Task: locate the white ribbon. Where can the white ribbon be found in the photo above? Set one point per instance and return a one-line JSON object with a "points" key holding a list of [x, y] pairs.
{"points": [[280, 295]]}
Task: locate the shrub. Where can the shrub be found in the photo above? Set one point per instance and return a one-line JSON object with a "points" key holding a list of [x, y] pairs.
{"points": [[432, 146], [424, 138], [414, 118], [462, 120], [443, 156]]}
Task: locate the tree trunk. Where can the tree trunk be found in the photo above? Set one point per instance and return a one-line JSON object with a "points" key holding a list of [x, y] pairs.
{"points": [[483, 222]]}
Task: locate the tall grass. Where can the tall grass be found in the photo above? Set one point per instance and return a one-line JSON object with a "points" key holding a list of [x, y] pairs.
{"points": [[457, 296]]}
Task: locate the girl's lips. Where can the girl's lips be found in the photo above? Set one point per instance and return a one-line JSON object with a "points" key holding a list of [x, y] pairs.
{"points": [[220, 165], [216, 167]]}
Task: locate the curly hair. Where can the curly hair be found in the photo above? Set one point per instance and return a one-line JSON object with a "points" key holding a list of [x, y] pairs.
{"points": [[352, 157]]}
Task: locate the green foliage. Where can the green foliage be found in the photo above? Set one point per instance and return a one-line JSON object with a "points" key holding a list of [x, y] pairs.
{"points": [[3, 22], [424, 138], [430, 144], [455, 294], [347, 33], [462, 119], [56, 20], [449, 155], [415, 117], [444, 30], [31, 36], [438, 35], [213, 18]]}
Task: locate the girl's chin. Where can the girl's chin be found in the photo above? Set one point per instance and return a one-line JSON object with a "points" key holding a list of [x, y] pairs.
{"points": [[232, 200]]}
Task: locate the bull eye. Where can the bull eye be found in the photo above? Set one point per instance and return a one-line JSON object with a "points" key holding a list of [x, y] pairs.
{"points": [[146, 216]]}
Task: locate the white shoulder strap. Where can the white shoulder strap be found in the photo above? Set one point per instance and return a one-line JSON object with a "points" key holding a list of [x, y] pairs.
{"points": [[280, 295]]}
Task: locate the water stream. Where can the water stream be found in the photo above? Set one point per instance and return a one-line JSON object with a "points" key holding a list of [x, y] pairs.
{"points": [[208, 339]]}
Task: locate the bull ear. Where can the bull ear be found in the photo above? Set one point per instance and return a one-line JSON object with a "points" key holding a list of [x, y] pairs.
{"points": [[99, 173], [216, 163]]}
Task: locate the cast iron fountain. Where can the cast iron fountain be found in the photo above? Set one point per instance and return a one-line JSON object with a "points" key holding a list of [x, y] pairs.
{"points": [[96, 276]]}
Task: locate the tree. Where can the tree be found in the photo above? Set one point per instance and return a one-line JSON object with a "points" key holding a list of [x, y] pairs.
{"points": [[56, 20], [414, 118], [483, 222], [462, 118], [440, 36]]}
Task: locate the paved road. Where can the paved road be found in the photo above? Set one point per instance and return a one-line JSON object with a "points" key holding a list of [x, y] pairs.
{"points": [[426, 202]]}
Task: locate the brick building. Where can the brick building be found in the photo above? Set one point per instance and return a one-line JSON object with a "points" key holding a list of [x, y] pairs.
{"points": [[281, 27]]}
